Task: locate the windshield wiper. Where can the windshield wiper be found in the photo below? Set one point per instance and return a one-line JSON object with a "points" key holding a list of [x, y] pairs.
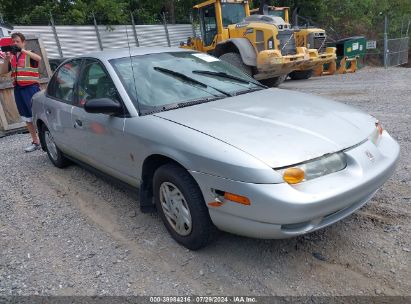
{"points": [[247, 91], [228, 76], [188, 79], [184, 104]]}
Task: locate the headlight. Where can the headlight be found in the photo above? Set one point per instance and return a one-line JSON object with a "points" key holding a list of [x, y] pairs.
{"points": [[315, 168], [375, 137]]}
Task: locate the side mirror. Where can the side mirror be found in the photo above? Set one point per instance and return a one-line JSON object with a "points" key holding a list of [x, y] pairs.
{"points": [[103, 106]]}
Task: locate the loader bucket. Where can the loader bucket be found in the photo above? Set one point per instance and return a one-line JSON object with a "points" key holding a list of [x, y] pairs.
{"points": [[329, 67], [348, 65], [326, 69]]}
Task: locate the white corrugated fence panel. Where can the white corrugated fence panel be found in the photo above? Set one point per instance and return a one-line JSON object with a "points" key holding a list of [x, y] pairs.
{"points": [[151, 35], [117, 36], [179, 33], [77, 40]]}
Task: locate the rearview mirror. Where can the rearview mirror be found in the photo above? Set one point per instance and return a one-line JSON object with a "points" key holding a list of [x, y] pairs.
{"points": [[103, 106]]}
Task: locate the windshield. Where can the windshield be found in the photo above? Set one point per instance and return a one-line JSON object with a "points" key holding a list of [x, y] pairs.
{"points": [[277, 13], [232, 13], [155, 81]]}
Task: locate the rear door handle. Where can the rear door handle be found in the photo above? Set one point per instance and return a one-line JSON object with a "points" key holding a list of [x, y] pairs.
{"points": [[48, 112]]}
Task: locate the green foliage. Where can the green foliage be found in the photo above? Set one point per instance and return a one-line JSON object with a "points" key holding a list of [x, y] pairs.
{"points": [[341, 18]]}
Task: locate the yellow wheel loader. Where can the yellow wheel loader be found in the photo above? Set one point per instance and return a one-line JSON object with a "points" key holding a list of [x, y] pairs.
{"points": [[313, 39], [265, 50]]}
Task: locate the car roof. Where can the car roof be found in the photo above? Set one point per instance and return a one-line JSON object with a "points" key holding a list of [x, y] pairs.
{"points": [[126, 52]]}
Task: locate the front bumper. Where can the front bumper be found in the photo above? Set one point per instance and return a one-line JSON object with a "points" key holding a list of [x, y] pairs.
{"points": [[283, 210], [318, 59], [270, 63]]}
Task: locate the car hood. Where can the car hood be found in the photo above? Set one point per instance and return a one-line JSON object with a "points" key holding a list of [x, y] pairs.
{"points": [[279, 127]]}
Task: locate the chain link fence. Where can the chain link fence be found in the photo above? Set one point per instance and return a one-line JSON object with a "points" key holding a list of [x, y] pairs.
{"points": [[391, 51], [397, 51]]}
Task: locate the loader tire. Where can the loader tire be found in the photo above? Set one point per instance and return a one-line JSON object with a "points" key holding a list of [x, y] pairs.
{"points": [[300, 75], [273, 82], [235, 60]]}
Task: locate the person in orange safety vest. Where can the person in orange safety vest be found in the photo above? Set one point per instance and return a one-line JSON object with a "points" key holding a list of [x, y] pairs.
{"points": [[23, 65]]}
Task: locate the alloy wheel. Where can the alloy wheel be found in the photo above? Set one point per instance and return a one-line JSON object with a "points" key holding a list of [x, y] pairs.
{"points": [[175, 208]]}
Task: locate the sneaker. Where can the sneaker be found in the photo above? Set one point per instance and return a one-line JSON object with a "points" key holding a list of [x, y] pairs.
{"points": [[32, 147]]}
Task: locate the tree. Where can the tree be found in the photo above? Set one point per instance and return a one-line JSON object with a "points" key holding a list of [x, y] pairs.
{"points": [[344, 17]]}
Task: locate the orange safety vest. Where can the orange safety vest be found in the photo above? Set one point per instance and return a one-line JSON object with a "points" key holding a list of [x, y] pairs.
{"points": [[22, 72]]}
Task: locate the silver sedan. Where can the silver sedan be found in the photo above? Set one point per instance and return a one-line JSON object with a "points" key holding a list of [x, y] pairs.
{"points": [[209, 147]]}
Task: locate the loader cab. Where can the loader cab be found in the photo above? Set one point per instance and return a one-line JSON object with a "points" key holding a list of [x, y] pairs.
{"points": [[216, 15], [277, 13], [233, 13], [282, 12]]}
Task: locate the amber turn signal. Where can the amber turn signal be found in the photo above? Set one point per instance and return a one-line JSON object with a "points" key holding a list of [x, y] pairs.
{"points": [[293, 175], [215, 204], [237, 198], [379, 127]]}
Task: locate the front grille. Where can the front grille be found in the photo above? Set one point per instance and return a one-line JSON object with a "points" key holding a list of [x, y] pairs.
{"points": [[287, 42], [259, 41], [319, 44]]}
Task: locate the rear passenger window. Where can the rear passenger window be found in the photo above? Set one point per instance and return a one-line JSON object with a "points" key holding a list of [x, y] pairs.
{"points": [[62, 85]]}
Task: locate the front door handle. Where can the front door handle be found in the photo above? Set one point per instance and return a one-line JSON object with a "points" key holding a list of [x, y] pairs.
{"points": [[48, 112], [78, 123]]}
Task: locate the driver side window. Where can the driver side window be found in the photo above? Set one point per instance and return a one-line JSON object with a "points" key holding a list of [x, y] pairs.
{"points": [[95, 83]]}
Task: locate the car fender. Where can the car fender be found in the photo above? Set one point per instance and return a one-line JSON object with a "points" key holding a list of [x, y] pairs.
{"points": [[195, 151]]}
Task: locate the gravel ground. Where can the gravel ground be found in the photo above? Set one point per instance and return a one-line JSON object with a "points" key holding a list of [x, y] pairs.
{"points": [[68, 232]]}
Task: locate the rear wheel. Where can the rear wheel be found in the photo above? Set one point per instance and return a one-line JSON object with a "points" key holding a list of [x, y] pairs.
{"points": [[235, 60], [181, 206], [56, 156], [300, 75], [273, 82]]}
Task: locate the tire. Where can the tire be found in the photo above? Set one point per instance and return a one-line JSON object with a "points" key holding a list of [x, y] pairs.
{"points": [[55, 155], [300, 75], [273, 82], [235, 60], [197, 230]]}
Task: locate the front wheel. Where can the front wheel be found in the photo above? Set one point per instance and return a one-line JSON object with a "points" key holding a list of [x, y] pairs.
{"points": [[55, 155], [300, 75], [181, 206], [235, 60], [273, 82]]}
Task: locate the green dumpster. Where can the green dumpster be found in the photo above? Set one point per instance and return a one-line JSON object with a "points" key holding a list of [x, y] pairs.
{"points": [[351, 47]]}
